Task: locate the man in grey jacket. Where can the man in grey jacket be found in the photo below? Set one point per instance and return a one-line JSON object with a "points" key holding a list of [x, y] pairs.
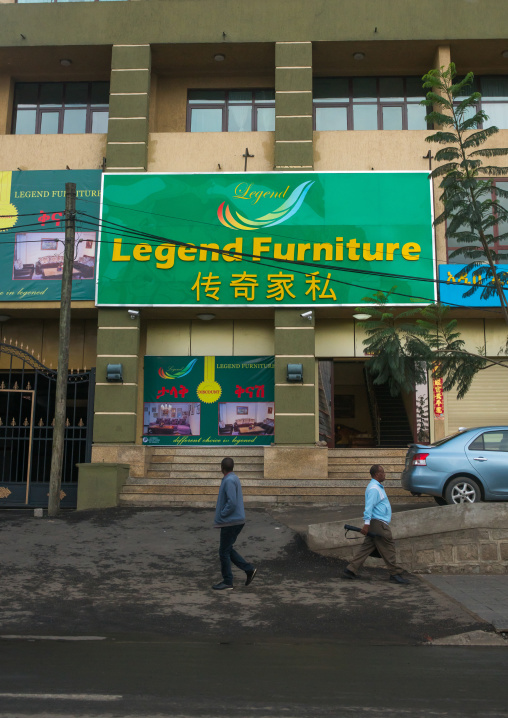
{"points": [[230, 519]]}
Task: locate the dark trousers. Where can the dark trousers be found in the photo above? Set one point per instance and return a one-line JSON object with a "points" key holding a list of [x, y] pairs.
{"points": [[384, 544], [227, 554]]}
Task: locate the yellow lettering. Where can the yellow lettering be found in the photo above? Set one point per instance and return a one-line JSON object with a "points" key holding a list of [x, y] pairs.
{"points": [[117, 251], [302, 248], [165, 254], [142, 252], [410, 249], [260, 244], [290, 252], [378, 255], [352, 246], [236, 246], [316, 256], [390, 249], [187, 254], [339, 249], [203, 253]]}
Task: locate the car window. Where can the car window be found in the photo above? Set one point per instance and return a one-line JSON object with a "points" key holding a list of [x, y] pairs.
{"points": [[490, 441], [446, 439]]}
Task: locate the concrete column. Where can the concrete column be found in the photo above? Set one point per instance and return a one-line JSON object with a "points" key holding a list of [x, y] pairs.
{"points": [[6, 99], [116, 404], [293, 106], [295, 404], [127, 148]]}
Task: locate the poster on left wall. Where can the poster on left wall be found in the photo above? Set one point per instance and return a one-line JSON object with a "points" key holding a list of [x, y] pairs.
{"points": [[32, 234]]}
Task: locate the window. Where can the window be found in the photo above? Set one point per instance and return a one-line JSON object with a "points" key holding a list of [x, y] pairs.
{"points": [[494, 98], [498, 230], [51, 108], [490, 441], [369, 103], [231, 111]]}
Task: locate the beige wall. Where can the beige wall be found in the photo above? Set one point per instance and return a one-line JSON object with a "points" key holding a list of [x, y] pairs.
{"points": [[205, 151], [41, 336], [217, 337], [52, 152]]}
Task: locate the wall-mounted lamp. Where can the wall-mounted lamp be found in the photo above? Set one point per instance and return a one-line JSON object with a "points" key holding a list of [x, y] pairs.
{"points": [[504, 53], [295, 372], [114, 373], [362, 317], [219, 57], [358, 56], [65, 62], [205, 317]]}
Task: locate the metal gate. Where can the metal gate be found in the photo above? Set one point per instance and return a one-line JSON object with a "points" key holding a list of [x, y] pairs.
{"points": [[27, 411]]}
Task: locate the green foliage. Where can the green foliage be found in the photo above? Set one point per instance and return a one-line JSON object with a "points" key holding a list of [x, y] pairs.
{"points": [[404, 345], [471, 202]]}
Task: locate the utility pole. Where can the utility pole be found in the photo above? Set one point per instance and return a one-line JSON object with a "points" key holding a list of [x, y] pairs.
{"points": [[55, 479]]}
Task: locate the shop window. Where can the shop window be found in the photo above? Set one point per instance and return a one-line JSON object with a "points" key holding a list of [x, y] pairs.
{"points": [[52, 108], [231, 111], [498, 230], [369, 103]]}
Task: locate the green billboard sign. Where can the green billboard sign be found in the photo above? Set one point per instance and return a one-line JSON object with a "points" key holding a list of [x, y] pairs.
{"points": [[281, 238], [32, 234], [208, 401]]}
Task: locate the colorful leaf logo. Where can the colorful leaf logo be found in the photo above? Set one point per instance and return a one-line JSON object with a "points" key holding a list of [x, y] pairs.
{"points": [[178, 373], [279, 215]]}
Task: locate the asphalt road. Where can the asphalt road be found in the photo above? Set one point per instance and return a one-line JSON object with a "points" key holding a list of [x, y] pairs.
{"points": [[298, 679]]}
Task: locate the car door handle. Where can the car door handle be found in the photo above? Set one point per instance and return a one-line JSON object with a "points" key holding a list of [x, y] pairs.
{"points": [[479, 458]]}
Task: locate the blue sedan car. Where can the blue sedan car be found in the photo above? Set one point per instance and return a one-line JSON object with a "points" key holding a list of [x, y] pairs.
{"points": [[469, 466]]}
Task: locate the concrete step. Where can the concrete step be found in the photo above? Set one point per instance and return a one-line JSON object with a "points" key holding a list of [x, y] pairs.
{"points": [[375, 454], [343, 465], [195, 473]]}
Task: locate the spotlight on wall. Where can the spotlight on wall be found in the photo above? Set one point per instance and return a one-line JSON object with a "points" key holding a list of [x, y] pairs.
{"points": [[362, 317], [205, 317], [65, 62], [219, 57], [4, 318], [133, 313], [358, 56], [307, 315], [504, 53]]}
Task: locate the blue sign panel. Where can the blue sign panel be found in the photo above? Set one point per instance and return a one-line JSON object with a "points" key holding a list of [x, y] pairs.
{"points": [[454, 283]]}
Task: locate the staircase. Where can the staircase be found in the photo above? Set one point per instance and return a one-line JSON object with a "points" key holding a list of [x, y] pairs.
{"points": [[179, 476], [395, 430], [348, 470]]}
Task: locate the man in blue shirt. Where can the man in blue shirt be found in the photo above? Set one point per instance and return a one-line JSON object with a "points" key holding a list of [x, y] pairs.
{"points": [[376, 519], [230, 519]]}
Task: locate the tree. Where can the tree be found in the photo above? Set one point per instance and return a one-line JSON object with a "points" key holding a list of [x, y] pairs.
{"points": [[404, 346], [471, 202]]}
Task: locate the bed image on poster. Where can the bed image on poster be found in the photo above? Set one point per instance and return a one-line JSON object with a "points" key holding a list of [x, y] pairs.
{"points": [[32, 234], [208, 401]]}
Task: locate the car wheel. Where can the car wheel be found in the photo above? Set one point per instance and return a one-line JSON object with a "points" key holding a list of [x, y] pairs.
{"points": [[440, 501], [462, 490]]}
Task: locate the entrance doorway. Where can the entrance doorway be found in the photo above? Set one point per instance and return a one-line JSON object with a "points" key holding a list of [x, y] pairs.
{"points": [[354, 412]]}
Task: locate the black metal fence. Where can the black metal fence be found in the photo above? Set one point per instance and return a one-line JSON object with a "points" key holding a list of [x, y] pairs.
{"points": [[27, 411]]}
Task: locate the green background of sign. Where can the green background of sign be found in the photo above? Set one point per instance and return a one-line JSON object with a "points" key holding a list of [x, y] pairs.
{"points": [[87, 181], [370, 207], [234, 371]]}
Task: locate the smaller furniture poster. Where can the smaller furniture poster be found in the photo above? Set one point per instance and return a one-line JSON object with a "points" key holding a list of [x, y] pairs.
{"points": [[208, 401], [32, 234]]}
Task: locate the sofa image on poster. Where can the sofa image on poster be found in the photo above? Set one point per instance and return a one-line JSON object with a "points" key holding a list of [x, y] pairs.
{"points": [[171, 419], [40, 255], [246, 419]]}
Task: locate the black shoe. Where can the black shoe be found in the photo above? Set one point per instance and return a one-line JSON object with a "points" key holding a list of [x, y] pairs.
{"points": [[250, 576], [223, 586], [349, 574], [397, 578]]}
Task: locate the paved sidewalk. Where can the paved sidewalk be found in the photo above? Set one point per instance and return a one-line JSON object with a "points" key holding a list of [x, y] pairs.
{"points": [[485, 596]]}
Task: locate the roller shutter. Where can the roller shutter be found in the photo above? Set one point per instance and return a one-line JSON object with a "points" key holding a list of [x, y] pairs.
{"points": [[486, 403]]}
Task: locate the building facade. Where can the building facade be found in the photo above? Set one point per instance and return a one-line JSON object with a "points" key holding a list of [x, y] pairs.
{"points": [[250, 99]]}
